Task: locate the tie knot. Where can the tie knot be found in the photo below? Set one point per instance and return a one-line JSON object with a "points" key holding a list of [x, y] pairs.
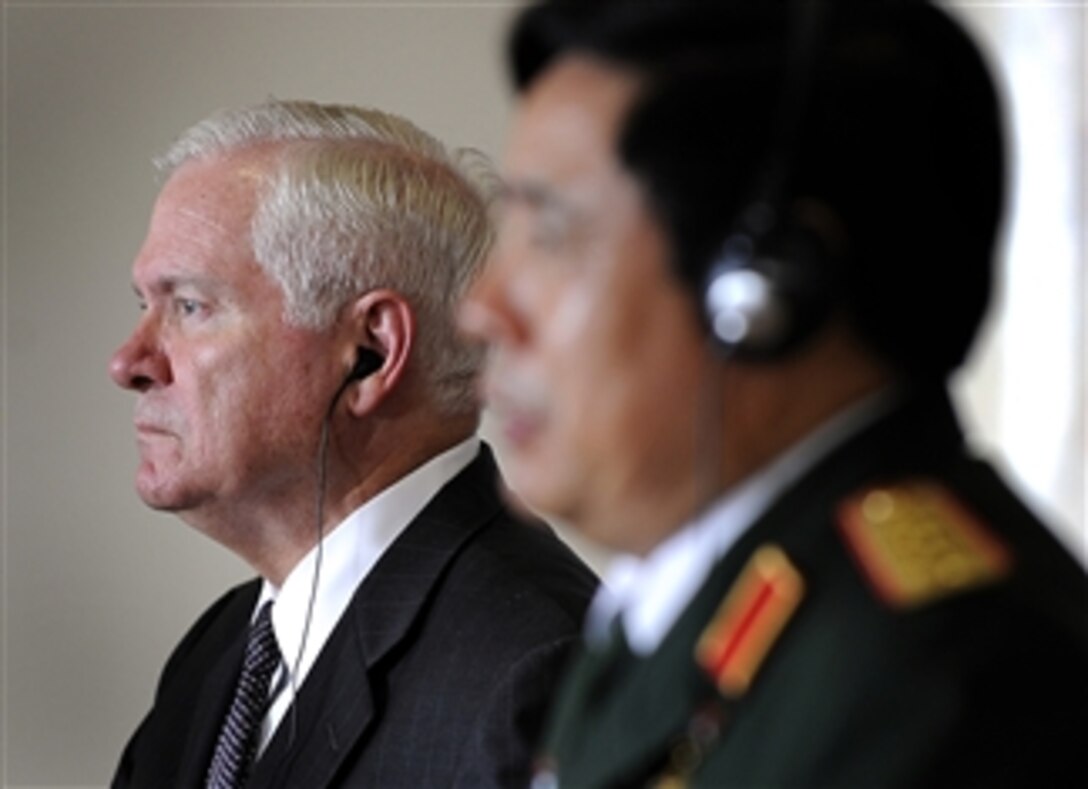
{"points": [[262, 651]]}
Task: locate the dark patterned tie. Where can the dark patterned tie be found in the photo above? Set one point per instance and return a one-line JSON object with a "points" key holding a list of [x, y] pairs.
{"points": [[238, 738]]}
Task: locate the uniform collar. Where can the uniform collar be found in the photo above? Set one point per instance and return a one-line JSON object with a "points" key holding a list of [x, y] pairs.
{"points": [[649, 593]]}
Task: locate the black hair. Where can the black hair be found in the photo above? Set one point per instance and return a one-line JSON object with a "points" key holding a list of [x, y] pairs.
{"points": [[900, 137]]}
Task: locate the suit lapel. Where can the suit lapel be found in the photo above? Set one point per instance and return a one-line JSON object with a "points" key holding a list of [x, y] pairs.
{"points": [[211, 707], [332, 711], [394, 594], [336, 706]]}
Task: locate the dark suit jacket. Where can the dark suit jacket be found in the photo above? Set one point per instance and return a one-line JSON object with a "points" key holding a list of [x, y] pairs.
{"points": [[984, 685], [438, 673]]}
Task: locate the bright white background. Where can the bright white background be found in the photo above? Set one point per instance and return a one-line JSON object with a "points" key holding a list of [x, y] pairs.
{"points": [[95, 588]]}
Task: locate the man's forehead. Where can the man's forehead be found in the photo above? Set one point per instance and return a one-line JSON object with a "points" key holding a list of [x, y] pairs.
{"points": [[209, 200], [566, 129], [244, 166], [204, 218], [583, 93], [216, 191], [200, 229], [186, 223]]}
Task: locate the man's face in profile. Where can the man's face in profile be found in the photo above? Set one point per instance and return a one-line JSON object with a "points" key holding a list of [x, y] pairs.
{"points": [[228, 399], [596, 353]]}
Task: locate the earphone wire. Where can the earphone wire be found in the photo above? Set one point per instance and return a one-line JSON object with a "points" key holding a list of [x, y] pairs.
{"points": [[709, 443], [319, 515], [808, 22]]}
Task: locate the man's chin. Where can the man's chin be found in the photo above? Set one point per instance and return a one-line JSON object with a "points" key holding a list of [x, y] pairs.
{"points": [[163, 497], [161, 503], [517, 503], [532, 491]]}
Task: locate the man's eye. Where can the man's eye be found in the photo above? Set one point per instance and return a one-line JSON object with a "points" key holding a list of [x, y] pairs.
{"points": [[551, 233], [187, 307], [547, 237]]}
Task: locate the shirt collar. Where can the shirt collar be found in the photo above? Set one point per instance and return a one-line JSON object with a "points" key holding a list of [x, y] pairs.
{"points": [[348, 553]]}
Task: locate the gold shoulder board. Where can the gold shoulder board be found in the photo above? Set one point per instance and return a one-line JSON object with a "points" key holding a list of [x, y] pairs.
{"points": [[916, 542]]}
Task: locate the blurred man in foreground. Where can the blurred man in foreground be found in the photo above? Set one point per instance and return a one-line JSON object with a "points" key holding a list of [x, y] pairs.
{"points": [[743, 248], [302, 399]]}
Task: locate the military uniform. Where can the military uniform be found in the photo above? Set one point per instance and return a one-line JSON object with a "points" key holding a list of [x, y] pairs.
{"points": [[896, 618]]}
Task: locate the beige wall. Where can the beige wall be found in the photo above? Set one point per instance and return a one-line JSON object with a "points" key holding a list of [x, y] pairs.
{"points": [[96, 589]]}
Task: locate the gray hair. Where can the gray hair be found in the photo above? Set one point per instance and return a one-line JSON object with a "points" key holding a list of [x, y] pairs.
{"points": [[363, 199]]}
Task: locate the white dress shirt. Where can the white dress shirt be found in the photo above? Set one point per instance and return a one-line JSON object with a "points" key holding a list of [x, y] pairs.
{"points": [[348, 553], [649, 593]]}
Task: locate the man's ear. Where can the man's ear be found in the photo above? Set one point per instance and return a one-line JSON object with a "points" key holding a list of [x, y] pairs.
{"points": [[384, 329]]}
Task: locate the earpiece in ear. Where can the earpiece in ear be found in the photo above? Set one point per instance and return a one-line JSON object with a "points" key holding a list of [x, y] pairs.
{"points": [[367, 362]]}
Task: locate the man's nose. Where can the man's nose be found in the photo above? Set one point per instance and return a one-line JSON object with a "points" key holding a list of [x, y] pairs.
{"points": [[140, 363], [486, 312]]}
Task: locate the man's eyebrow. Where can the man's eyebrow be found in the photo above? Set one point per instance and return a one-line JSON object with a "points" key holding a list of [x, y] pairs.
{"points": [[548, 205], [533, 194], [170, 283]]}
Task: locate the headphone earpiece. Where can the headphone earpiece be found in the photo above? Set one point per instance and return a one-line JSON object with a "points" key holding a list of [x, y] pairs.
{"points": [[768, 289], [367, 362]]}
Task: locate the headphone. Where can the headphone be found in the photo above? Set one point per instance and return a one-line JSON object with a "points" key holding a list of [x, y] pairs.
{"points": [[367, 362], [770, 286]]}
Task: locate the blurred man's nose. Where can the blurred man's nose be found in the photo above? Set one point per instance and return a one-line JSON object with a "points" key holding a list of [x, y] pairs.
{"points": [[486, 312]]}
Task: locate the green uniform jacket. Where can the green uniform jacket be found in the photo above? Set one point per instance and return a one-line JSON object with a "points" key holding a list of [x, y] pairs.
{"points": [[945, 646]]}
